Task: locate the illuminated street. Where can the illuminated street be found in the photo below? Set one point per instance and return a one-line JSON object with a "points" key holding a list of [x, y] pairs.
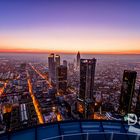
{"points": [[39, 115], [40, 75]]}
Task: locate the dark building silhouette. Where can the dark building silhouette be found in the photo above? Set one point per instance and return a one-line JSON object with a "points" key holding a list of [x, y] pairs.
{"points": [[57, 60], [137, 110], [62, 79], [127, 91], [65, 63], [57, 64], [51, 64], [78, 60], [87, 74], [85, 102]]}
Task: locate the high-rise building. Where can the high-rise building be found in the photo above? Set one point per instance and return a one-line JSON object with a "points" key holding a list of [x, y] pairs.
{"points": [[87, 74], [57, 60], [85, 101], [62, 79], [127, 91], [57, 64], [65, 63], [137, 109], [51, 64], [78, 60]]}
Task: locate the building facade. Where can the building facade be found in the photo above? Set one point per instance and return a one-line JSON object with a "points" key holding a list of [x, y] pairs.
{"points": [[137, 107], [87, 74], [85, 98], [78, 60], [51, 65], [127, 91], [65, 63], [62, 79], [57, 60]]}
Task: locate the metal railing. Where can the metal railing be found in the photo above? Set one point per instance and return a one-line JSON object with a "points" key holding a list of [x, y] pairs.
{"points": [[99, 135]]}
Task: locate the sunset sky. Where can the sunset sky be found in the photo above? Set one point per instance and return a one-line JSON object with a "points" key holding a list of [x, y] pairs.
{"points": [[89, 26]]}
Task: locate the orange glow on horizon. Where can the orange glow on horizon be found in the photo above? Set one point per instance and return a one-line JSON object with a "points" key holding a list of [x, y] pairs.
{"points": [[70, 40], [67, 52]]}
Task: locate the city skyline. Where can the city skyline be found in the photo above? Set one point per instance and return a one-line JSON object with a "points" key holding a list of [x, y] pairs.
{"points": [[38, 92], [68, 27], [69, 69]]}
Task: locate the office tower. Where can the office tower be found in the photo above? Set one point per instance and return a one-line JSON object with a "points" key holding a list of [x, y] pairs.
{"points": [[127, 91], [62, 79], [57, 60], [137, 109], [78, 60], [85, 101], [57, 64], [51, 64], [135, 100], [65, 63], [87, 74]]}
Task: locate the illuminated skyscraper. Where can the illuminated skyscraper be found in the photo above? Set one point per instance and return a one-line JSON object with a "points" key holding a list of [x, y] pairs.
{"points": [[85, 97], [51, 64], [78, 60], [127, 91], [62, 79]]}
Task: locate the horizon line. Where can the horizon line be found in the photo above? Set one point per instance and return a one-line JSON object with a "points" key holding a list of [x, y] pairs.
{"points": [[72, 52]]}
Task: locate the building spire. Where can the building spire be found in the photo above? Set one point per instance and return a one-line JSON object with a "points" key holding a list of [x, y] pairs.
{"points": [[78, 60]]}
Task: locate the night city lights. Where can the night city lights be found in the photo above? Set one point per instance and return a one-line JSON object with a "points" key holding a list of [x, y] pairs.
{"points": [[69, 69]]}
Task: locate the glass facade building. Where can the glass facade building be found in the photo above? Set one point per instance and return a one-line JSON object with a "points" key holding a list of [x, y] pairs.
{"points": [[85, 101], [137, 110], [87, 74], [127, 91], [62, 79], [51, 65]]}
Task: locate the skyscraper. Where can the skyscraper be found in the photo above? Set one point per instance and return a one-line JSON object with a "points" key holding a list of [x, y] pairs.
{"points": [[127, 91], [62, 79], [87, 74], [137, 109], [51, 64], [57, 64], [57, 60], [65, 63], [78, 60], [85, 97]]}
